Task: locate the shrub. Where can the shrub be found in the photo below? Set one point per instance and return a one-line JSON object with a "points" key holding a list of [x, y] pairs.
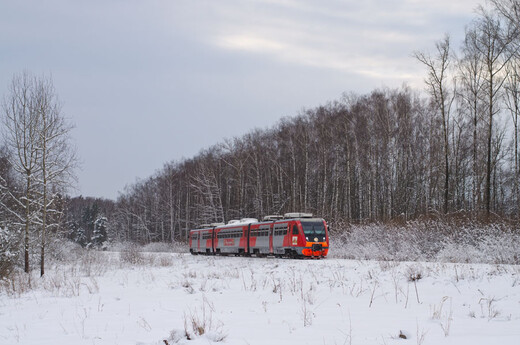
{"points": [[8, 252], [429, 240], [132, 254], [200, 323], [64, 250]]}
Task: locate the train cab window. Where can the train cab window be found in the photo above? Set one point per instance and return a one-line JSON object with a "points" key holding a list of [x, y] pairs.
{"points": [[295, 229], [313, 228]]}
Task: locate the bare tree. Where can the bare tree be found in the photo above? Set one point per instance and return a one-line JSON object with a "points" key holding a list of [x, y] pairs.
{"points": [[205, 182], [512, 92], [38, 138], [510, 10], [57, 155], [471, 90], [21, 134], [438, 86], [493, 43]]}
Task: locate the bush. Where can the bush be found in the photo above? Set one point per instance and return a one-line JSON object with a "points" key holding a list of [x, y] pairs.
{"points": [[64, 250], [8, 252], [430, 240], [492, 244], [132, 254]]}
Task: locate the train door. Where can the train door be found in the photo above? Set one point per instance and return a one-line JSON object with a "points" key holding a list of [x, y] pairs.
{"points": [[271, 251], [213, 240], [279, 234], [194, 241], [247, 248]]}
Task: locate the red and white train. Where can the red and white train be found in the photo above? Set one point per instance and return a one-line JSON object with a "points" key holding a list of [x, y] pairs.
{"points": [[293, 235]]}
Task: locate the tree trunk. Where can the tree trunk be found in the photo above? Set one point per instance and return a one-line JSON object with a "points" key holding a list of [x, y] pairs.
{"points": [[27, 223], [489, 141]]}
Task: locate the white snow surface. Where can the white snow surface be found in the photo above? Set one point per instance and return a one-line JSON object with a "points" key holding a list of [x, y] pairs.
{"points": [[235, 300]]}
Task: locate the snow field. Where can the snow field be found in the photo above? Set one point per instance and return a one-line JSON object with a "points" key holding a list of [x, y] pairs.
{"points": [[184, 299]]}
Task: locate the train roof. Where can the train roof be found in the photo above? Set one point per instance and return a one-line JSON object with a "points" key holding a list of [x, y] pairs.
{"points": [[310, 219], [267, 220]]}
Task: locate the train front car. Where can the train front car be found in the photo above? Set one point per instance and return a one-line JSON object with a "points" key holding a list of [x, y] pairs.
{"points": [[309, 236], [316, 237]]}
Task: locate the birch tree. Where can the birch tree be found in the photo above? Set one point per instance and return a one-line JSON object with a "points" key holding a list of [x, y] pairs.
{"points": [[494, 43], [21, 126], [57, 156], [438, 86], [509, 10], [37, 137], [471, 76], [512, 92]]}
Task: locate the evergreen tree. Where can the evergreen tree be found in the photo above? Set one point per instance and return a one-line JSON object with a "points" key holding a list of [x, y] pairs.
{"points": [[99, 236]]}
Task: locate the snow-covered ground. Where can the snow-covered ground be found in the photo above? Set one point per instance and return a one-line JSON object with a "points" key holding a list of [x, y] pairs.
{"points": [[168, 298]]}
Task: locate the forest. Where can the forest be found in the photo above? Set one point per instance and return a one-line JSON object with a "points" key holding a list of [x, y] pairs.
{"points": [[392, 156]]}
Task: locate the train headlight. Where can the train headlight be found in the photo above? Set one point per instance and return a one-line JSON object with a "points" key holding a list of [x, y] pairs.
{"points": [[306, 238]]}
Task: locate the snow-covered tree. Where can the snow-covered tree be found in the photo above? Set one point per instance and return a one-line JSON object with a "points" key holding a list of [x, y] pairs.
{"points": [[39, 152], [57, 158], [8, 251], [99, 236], [21, 124]]}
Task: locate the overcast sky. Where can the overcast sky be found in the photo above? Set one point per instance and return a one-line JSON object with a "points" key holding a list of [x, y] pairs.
{"points": [[148, 82]]}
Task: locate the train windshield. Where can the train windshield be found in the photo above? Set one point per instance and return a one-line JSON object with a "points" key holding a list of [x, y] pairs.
{"points": [[313, 228]]}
